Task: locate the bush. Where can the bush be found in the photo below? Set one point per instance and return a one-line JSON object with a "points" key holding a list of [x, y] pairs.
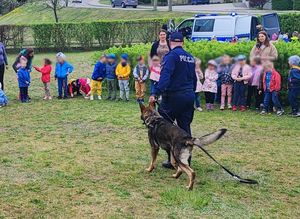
{"points": [[289, 22], [210, 50], [282, 4]]}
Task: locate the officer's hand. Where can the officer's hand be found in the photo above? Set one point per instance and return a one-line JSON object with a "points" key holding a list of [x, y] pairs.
{"points": [[152, 99]]}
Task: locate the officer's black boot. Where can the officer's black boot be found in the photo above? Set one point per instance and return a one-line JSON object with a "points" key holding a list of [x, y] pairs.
{"points": [[167, 164]]}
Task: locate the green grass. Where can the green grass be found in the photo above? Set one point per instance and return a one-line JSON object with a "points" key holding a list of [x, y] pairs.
{"points": [[37, 13], [83, 159]]}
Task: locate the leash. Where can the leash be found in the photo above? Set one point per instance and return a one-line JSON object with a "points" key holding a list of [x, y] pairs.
{"points": [[233, 175]]}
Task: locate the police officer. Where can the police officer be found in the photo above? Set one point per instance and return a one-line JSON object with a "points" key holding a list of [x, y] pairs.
{"points": [[177, 86]]}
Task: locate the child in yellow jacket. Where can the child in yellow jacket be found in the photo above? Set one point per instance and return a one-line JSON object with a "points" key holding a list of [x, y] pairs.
{"points": [[123, 71]]}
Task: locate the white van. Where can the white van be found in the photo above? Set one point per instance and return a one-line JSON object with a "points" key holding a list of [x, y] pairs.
{"points": [[226, 27]]}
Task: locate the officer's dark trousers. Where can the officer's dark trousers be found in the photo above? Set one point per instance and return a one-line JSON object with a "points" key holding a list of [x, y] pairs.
{"points": [[178, 107]]}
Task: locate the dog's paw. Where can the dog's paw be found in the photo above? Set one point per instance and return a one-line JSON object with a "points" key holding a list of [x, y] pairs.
{"points": [[189, 188], [150, 169]]}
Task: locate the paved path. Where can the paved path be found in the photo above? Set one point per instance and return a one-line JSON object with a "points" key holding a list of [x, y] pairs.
{"points": [[211, 8]]}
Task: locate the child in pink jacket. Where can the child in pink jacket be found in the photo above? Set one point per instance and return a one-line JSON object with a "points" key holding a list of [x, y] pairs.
{"points": [[199, 75], [241, 74], [210, 84]]}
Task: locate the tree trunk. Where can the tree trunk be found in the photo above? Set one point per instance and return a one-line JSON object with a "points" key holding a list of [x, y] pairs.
{"points": [[170, 5], [154, 5], [55, 14]]}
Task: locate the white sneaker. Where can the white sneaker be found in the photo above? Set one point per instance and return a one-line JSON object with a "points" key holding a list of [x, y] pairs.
{"points": [[199, 109], [91, 97], [99, 98], [222, 107], [229, 106], [280, 112], [49, 98]]}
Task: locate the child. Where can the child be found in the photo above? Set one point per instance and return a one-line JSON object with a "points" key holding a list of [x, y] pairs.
{"points": [[73, 87], [199, 75], [84, 86], [241, 73], [210, 84], [3, 97], [224, 71], [271, 86], [111, 77], [254, 83], [154, 72], [23, 80], [294, 84], [62, 70], [97, 77], [140, 74], [45, 71], [123, 72]]}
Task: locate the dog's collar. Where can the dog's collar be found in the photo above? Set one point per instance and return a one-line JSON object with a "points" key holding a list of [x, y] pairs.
{"points": [[149, 122]]}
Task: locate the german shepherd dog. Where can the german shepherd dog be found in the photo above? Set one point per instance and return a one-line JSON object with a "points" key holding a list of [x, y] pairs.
{"points": [[163, 134]]}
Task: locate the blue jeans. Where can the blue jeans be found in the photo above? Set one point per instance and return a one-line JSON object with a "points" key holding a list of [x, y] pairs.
{"points": [[179, 107], [239, 97], [275, 100], [62, 84], [293, 94], [197, 100]]}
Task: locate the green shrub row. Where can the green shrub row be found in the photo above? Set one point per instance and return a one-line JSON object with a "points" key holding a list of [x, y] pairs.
{"points": [[282, 4], [211, 50], [296, 5], [100, 34]]}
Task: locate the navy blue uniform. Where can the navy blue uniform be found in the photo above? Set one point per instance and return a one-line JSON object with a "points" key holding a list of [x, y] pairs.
{"points": [[177, 86]]}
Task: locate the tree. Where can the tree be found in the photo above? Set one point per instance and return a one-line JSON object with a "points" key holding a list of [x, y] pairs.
{"points": [[55, 6], [258, 3], [170, 4], [154, 5], [9, 5]]}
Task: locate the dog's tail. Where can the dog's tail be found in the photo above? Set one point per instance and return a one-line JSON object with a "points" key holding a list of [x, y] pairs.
{"points": [[210, 138]]}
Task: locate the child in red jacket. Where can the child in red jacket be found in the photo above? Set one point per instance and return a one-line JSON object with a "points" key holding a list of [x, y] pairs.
{"points": [[271, 86], [46, 72]]}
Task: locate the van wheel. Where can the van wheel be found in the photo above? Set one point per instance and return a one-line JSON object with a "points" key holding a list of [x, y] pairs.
{"points": [[123, 5]]}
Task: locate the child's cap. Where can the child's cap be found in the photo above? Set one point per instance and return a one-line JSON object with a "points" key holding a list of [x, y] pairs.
{"points": [[241, 58], [140, 58], [111, 56], [60, 55], [212, 62], [124, 56], [294, 60]]}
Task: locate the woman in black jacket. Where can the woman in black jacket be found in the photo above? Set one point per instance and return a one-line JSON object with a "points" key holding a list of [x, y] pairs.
{"points": [[160, 47]]}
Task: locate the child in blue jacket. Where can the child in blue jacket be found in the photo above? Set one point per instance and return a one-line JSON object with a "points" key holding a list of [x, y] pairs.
{"points": [[97, 77], [23, 80], [294, 84], [111, 77], [62, 70], [3, 97]]}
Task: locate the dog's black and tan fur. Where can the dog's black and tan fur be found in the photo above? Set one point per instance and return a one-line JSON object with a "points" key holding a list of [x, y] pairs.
{"points": [[163, 134]]}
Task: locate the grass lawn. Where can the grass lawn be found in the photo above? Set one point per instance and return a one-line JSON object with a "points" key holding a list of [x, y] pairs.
{"points": [[37, 13], [82, 159]]}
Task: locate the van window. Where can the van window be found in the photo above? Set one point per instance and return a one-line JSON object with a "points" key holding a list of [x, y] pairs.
{"points": [[186, 23], [204, 25]]}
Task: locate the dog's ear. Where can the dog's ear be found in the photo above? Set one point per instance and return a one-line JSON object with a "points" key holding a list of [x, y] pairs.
{"points": [[152, 105], [142, 107]]}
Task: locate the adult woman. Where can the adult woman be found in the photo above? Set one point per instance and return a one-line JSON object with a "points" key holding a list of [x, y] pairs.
{"points": [[161, 47], [263, 49], [28, 54], [3, 63]]}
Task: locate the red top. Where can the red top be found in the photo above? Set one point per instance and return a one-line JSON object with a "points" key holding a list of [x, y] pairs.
{"points": [[275, 83], [46, 72]]}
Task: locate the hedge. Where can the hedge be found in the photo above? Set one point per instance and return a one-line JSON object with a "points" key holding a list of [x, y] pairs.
{"points": [[100, 34], [210, 50], [282, 4]]}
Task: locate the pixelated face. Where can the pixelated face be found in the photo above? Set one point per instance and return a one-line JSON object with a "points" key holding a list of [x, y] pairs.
{"points": [[211, 67], [103, 59], [141, 61], [242, 62], [226, 60], [155, 62], [109, 60], [261, 38], [23, 63], [60, 60], [162, 36]]}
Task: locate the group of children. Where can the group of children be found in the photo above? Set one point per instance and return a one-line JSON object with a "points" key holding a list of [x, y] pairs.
{"points": [[231, 81]]}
